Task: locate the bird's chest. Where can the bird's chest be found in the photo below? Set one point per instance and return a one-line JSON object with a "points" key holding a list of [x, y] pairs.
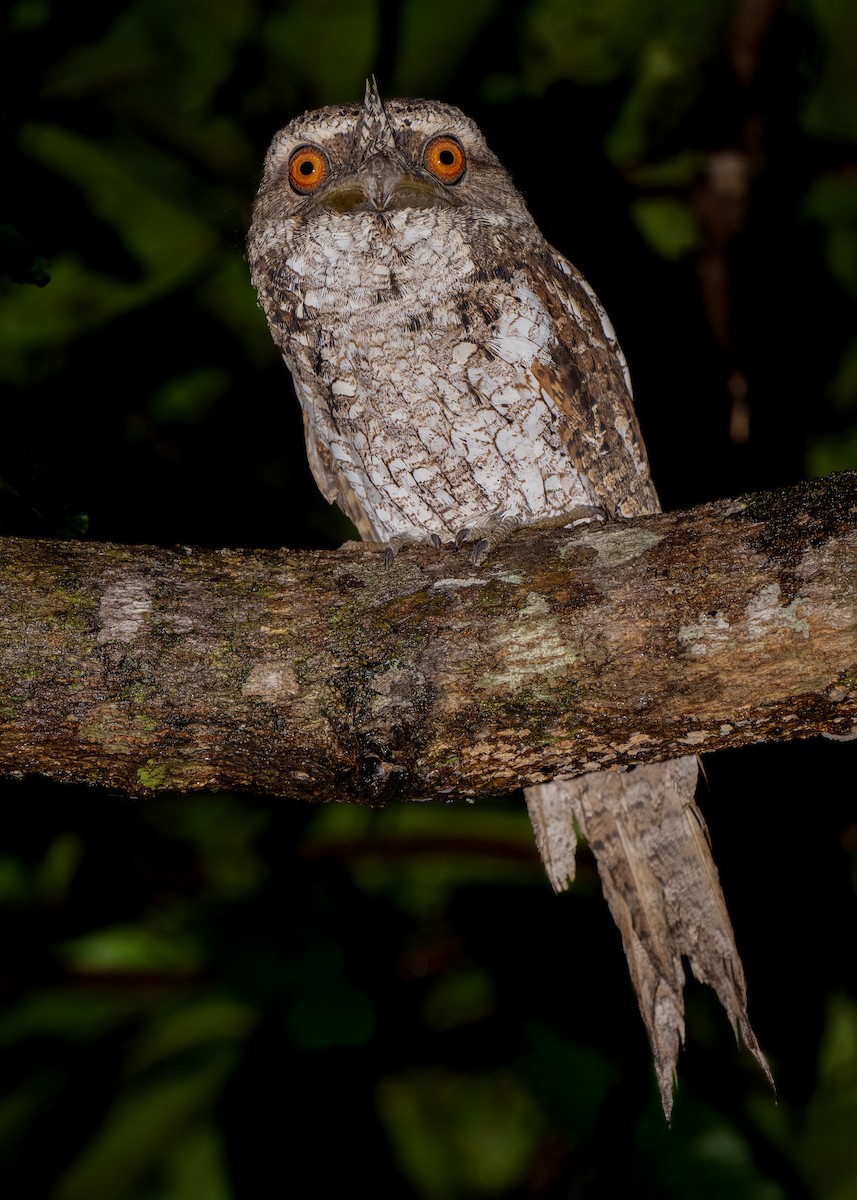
{"points": [[359, 269], [394, 311], [415, 363]]}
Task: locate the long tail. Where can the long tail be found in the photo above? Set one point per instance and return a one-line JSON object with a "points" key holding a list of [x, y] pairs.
{"points": [[651, 846]]}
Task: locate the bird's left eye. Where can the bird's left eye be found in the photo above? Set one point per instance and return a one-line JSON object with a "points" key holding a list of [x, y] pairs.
{"points": [[307, 169], [445, 158]]}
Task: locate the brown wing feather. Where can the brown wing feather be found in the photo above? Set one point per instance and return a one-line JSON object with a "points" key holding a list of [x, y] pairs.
{"points": [[584, 376]]}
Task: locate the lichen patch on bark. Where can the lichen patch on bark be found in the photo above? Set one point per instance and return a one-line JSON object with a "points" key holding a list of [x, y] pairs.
{"points": [[767, 608], [271, 681], [614, 546], [124, 606], [709, 629]]}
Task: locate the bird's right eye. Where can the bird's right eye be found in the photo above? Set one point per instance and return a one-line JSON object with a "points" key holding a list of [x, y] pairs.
{"points": [[445, 158], [307, 169]]}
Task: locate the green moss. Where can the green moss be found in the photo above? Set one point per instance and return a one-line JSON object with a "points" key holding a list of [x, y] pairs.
{"points": [[848, 678], [11, 707], [542, 711], [138, 693], [153, 776]]}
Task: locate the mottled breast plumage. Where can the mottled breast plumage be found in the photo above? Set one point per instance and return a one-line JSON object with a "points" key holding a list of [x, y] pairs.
{"points": [[451, 366]]}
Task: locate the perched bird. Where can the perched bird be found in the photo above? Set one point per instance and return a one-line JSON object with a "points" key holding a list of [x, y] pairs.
{"points": [[458, 378]]}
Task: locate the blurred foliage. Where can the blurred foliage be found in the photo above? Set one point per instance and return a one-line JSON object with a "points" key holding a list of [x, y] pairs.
{"points": [[205, 995], [17, 260]]}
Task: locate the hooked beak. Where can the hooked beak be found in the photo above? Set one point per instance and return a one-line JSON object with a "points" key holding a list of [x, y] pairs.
{"points": [[380, 184]]}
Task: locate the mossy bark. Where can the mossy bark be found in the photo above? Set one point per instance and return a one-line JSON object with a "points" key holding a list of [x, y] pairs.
{"points": [[326, 676]]}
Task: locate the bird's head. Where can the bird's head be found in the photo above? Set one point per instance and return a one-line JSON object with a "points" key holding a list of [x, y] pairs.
{"points": [[378, 158]]}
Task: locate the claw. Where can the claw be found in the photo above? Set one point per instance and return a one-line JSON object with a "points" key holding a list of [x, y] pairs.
{"points": [[584, 514], [390, 549], [487, 534]]}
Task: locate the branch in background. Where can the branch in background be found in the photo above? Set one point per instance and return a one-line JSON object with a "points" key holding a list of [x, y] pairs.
{"points": [[325, 676]]}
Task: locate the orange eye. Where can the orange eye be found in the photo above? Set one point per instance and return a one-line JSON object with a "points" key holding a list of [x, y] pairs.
{"points": [[307, 169], [444, 157]]}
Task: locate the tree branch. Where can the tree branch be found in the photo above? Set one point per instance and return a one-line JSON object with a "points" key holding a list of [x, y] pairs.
{"points": [[325, 676]]}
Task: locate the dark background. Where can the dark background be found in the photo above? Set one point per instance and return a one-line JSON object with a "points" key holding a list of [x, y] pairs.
{"points": [[220, 996]]}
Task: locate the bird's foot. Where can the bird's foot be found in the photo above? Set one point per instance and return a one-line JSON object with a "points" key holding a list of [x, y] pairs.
{"points": [[398, 541], [487, 534], [492, 530], [581, 514]]}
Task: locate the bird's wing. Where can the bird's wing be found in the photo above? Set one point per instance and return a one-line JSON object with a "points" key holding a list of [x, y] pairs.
{"points": [[643, 825], [583, 374], [331, 481]]}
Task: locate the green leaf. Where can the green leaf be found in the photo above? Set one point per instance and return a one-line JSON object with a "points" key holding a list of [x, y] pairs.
{"points": [[428, 56], [832, 203], [825, 1146], [831, 111], [461, 1135], [586, 43], [324, 46], [191, 1022], [145, 1137], [458, 998], [668, 225], [131, 948], [187, 398], [17, 260]]}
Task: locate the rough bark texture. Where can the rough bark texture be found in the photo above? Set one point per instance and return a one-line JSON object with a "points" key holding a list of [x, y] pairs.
{"points": [[325, 676]]}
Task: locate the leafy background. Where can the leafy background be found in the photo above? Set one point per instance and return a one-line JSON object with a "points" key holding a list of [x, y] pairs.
{"points": [[223, 996]]}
